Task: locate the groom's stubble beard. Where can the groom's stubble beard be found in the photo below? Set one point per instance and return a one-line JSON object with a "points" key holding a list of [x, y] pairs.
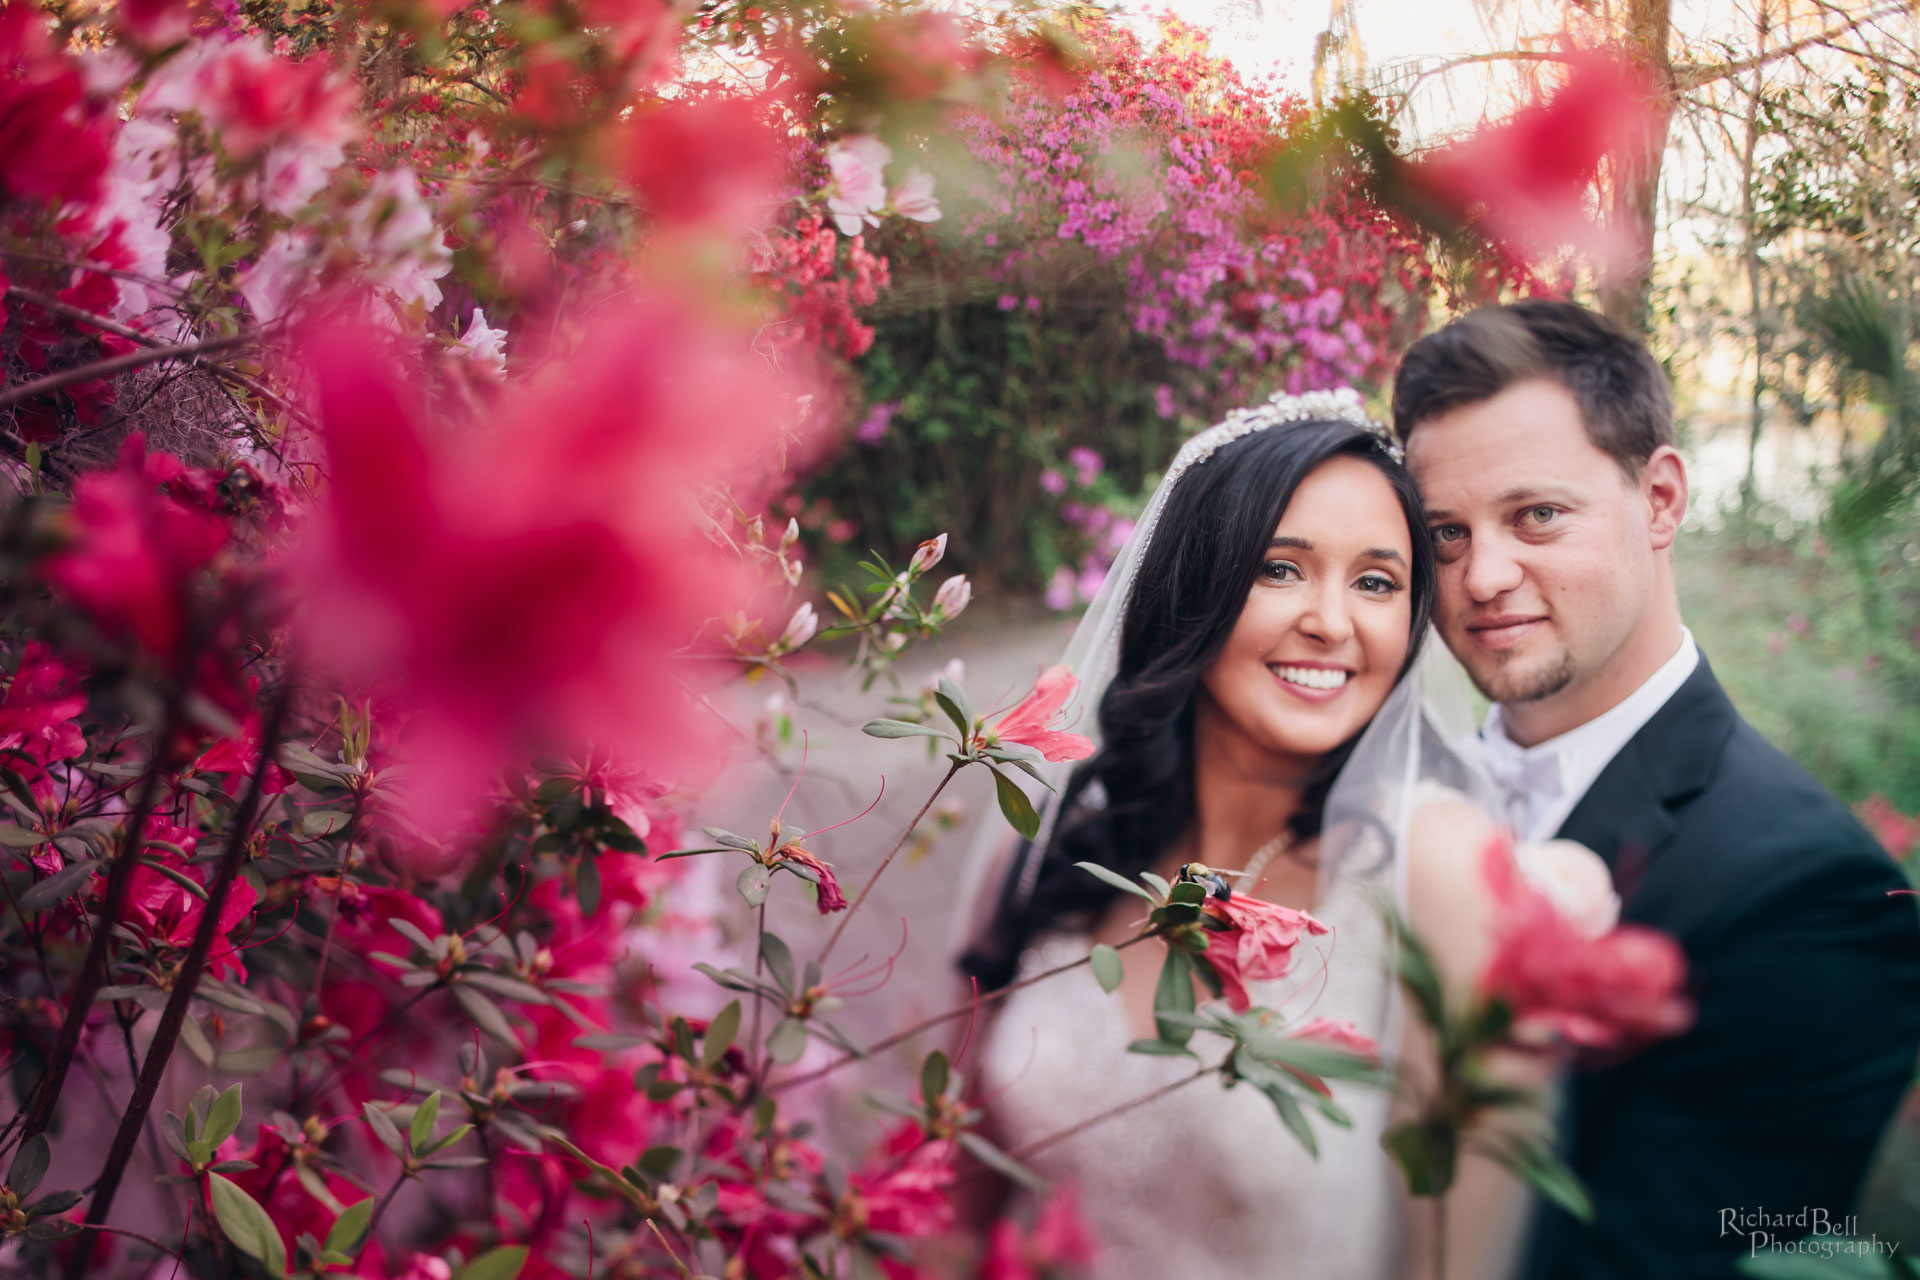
{"points": [[1502, 678]]}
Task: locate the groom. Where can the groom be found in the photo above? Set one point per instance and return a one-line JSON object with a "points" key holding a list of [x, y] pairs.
{"points": [[1542, 440]]}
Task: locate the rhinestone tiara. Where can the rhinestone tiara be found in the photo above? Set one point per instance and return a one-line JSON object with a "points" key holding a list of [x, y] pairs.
{"points": [[1340, 404]]}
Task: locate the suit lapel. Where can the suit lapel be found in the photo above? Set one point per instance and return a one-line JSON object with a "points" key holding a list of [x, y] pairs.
{"points": [[1626, 815]]}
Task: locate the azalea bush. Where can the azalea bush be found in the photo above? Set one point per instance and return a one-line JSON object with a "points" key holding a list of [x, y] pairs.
{"points": [[404, 411], [1126, 252]]}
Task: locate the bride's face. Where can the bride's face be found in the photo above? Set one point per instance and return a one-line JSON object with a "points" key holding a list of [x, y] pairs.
{"points": [[1324, 631]]}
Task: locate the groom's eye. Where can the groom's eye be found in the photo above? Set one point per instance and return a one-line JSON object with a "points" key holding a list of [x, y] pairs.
{"points": [[1541, 515], [1447, 533]]}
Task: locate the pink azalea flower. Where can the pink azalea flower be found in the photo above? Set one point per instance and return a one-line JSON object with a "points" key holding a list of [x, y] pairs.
{"points": [[1527, 179], [1060, 1239], [1896, 831], [41, 703], [1029, 723], [859, 190], [134, 551], [1257, 944], [541, 602], [704, 159], [904, 1189], [1619, 990], [913, 198]]}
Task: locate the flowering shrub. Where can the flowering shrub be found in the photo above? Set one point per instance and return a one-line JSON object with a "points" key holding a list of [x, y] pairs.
{"points": [[403, 405]]}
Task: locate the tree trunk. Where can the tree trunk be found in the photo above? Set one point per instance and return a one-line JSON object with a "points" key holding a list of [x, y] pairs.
{"points": [[1635, 189], [1750, 227]]}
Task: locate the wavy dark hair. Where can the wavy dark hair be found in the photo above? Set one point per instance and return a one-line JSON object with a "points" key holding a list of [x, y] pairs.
{"points": [[1130, 801]]}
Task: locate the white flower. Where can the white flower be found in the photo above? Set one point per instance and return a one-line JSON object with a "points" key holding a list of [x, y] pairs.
{"points": [[952, 597], [955, 670], [392, 230], [800, 629], [928, 554], [859, 189], [1574, 879], [269, 285], [487, 348], [913, 198]]}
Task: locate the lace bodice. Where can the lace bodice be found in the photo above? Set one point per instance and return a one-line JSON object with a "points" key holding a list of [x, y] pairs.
{"points": [[1206, 1183]]}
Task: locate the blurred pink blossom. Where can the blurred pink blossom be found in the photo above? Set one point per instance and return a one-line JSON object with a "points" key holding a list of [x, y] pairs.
{"points": [[859, 189]]}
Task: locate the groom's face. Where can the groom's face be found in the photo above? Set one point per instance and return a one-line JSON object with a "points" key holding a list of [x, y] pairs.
{"points": [[1544, 559]]}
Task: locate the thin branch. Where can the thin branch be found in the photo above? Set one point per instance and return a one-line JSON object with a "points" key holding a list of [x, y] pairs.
{"points": [[867, 888], [193, 351], [1692, 77], [958, 1011], [167, 1034], [1119, 1108]]}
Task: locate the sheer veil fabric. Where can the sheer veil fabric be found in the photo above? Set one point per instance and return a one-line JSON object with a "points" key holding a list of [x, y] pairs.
{"points": [[1418, 739]]}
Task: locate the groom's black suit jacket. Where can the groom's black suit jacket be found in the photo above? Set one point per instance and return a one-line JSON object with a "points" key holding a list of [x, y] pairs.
{"points": [[1807, 978]]}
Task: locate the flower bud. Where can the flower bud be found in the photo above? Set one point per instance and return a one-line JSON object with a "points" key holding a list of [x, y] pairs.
{"points": [[952, 597], [928, 554], [800, 628], [792, 535]]}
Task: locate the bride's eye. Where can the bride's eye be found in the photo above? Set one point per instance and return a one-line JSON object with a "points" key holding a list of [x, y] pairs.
{"points": [[1279, 571], [1378, 584]]}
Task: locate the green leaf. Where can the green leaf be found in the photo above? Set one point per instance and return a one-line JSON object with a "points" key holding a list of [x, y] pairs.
{"points": [[446, 1140], [247, 1225], [934, 1074], [953, 701], [1187, 894], [779, 957], [727, 838], [1014, 804], [1107, 967], [55, 1202], [384, 1129], [1174, 994], [1159, 884], [14, 837], [753, 883], [30, 1165], [324, 822], [1426, 1154], [1537, 1165], [1114, 878], [1002, 1163], [788, 1041], [58, 887], [350, 1228], [222, 1118], [1160, 1049], [503, 1263], [1291, 1116], [485, 1014], [900, 729], [425, 1117], [720, 1033], [659, 1162], [586, 884]]}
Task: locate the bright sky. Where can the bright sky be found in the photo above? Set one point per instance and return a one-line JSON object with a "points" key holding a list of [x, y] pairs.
{"points": [[1278, 36]]}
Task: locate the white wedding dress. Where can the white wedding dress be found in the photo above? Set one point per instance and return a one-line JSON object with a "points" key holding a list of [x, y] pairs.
{"points": [[1205, 1183]]}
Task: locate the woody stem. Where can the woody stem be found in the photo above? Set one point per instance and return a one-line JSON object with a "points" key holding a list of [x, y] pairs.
{"points": [[958, 1011], [1119, 1108], [867, 888]]}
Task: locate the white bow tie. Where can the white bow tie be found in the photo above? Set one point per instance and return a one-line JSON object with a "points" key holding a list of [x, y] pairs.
{"points": [[1528, 781]]}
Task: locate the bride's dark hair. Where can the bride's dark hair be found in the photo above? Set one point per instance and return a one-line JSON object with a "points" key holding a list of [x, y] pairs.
{"points": [[1133, 798]]}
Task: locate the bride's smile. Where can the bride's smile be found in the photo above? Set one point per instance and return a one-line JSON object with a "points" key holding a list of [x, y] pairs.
{"points": [[1324, 632]]}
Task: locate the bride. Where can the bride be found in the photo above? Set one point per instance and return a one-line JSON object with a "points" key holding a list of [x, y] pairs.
{"points": [[1269, 609]]}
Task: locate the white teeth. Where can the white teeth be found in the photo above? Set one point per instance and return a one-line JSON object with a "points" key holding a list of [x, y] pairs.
{"points": [[1313, 677]]}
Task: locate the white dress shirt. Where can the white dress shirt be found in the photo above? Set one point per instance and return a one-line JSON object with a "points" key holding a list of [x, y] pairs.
{"points": [[1543, 783]]}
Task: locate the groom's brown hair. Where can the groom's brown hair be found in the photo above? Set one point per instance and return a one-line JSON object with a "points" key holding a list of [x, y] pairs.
{"points": [[1620, 388]]}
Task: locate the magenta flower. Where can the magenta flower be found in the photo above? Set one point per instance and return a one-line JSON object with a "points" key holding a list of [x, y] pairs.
{"points": [[1030, 724], [1257, 944], [1618, 990]]}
